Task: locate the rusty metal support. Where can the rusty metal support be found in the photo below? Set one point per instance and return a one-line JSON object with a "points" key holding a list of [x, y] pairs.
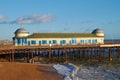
{"points": [[100, 55], [32, 56], [88, 55], [110, 54], [38, 55], [12, 56], [49, 53], [118, 50], [58, 54], [79, 54], [66, 55]]}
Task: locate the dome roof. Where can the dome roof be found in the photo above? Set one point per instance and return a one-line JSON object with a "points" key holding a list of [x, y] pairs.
{"points": [[21, 30], [97, 31]]}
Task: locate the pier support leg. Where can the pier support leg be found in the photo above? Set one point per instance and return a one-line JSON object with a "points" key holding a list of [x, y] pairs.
{"points": [[12, 56], [80, 54], [32, 56], [38, 55], [28, 57], [89, 55], [49, 53], [66, 56], [118, 54], [73, 54], [100, 55], [58, 55], [110, 54]]}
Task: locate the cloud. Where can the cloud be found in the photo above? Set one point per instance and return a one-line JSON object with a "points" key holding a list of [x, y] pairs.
{"points": [[4, 19], [28, 19], [1, 17], [34, 19]]}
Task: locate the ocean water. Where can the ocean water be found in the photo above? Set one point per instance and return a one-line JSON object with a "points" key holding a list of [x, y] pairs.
{"points": [[102, 72], [91, 72], [112, 40]]}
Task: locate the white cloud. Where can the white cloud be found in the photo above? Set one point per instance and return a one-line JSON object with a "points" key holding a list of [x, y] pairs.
{"points": [[28, 19], [4, 19], [1, 17], [34, 19]]}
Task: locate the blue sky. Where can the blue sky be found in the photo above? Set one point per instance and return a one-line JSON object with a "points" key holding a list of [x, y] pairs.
{"points": [[59, 16]]}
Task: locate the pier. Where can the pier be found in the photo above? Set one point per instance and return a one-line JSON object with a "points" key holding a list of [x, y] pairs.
{"points": [[89, 53]]}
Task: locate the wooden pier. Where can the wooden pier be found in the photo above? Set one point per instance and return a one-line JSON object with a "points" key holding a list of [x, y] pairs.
{"points": [[89, 53]]}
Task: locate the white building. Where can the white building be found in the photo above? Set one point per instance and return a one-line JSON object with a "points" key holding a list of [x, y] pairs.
{"points": [[23, 38]]}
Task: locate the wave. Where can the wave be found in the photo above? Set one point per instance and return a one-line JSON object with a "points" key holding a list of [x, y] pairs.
{"points": [[89, 72], [68, 70]]}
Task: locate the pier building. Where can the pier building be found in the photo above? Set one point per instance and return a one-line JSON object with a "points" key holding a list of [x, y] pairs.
{"points": [[23, 38]]}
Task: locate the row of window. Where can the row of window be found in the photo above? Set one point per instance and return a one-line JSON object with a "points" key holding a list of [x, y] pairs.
{"points": [[62, 42], [43, 42]]}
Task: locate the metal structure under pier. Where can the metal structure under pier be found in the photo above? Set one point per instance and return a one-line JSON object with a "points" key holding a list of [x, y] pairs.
{"points": [[81, 53]]}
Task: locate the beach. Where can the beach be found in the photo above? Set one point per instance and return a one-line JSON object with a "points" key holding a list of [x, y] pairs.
{"points": [[25, 71]]}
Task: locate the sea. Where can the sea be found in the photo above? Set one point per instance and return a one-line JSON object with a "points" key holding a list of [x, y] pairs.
{"points": [[108, 71], [112, 40]]}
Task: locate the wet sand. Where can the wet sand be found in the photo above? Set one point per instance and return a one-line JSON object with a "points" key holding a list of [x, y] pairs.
{"points": [[24, 71]]}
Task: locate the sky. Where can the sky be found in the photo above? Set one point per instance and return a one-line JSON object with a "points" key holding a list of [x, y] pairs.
{"points": [[59, 16]]}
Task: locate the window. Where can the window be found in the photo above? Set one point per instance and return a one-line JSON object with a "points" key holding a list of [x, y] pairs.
{"points": [[70, 42], [73, 41], [40, 42], [64, 41], [94, 41], [24, 41], [44, 42], [54, 41], [33, 42], [61, 42], [50, 42], [19, 41], [28, 43], [15, 40], [89, 41], [82, 41]]}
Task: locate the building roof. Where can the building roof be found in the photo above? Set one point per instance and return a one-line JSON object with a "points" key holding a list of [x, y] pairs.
{"points": [[97, 31], [21, 30], [61, 35]]}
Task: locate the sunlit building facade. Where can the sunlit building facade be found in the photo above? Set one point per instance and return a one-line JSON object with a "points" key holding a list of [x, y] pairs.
{"points": [[23, 38]]}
